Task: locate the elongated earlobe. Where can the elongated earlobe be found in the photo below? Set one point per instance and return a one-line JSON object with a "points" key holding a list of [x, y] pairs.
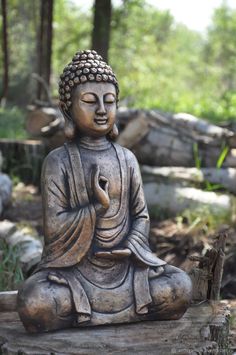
{"points": [[69, 128], [113, 134]]}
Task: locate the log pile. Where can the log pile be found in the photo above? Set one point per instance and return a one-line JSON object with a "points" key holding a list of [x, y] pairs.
{"points": [[187, 162], [175, 189], [46, 123], [159, 139]]}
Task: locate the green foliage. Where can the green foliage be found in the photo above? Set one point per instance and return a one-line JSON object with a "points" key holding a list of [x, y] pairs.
{"points": [[10, 270], [159, 63], [12, 123], [158, 213], [197, 158], [223, 155], [22, 17], [72, 31], [204, 219]]}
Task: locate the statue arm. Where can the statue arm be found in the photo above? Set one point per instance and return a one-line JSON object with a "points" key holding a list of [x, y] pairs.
{"points": [[137, 240], [68, 226]]}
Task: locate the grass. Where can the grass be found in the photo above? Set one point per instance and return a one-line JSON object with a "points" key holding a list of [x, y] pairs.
{"points": [[12, 123], [202, 219], [10, 270]]}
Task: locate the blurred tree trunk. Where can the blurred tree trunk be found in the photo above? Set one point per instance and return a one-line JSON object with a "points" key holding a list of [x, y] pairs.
{"points": [[45, 46], [101, 27], [3, 97]]}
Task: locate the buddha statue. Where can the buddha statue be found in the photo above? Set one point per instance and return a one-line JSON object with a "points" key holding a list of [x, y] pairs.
{"points": [[97, 266]]}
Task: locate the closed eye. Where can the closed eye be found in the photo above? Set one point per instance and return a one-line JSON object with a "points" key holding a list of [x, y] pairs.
{"points": [[109, 99], [89, 101], [89, 98]]}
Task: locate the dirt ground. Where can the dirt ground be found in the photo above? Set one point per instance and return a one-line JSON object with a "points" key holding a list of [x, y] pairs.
{"points": [[170, 240]]}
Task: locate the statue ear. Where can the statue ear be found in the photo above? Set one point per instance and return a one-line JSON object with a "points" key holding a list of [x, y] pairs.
{"points": [[69, 128], [113, 134]]}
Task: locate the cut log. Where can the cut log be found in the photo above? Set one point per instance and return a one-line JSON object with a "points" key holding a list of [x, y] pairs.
{"points": [[156, 138], [29, 247], [203, 330], [43, 121], [225, 177], [23, 158], [207, 276], [8, 301], [175, 140], [174, 199]]}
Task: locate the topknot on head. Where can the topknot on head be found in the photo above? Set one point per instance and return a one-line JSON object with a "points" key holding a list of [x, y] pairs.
{"points": [[85, 66]]}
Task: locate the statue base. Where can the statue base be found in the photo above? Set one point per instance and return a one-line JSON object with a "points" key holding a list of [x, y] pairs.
{"points": [[203, 329]]}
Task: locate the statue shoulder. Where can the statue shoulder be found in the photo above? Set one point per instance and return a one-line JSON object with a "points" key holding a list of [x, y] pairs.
{"points": [[55, 158], [130, 158]]}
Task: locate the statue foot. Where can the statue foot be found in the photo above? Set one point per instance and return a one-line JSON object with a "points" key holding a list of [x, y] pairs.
{"points": [[44, 306]]}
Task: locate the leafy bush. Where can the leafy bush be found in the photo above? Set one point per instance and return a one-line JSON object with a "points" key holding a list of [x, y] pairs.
{"points": [[12, 121]]}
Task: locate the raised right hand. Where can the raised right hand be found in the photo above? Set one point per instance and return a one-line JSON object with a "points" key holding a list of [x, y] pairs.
{"points": [[100, 188]]}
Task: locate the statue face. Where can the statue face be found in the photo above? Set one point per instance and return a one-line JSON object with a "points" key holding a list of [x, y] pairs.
{"points": [[94, 108]]}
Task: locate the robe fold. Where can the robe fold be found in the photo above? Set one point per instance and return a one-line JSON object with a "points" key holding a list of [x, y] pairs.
{"points": [[72, 231]]}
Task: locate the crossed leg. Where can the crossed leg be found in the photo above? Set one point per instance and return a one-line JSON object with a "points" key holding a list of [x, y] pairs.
{"points": [[45, 305], [171, 294]]}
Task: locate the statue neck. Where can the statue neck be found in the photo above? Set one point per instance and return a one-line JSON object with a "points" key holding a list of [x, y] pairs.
{"points": [[99, 143]]}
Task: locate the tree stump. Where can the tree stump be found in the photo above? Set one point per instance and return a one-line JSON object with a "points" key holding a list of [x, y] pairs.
{"points": [[23, 158], [203, 330]]}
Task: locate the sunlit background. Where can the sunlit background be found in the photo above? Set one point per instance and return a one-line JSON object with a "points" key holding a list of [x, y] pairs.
{"points": [[173, 55]]}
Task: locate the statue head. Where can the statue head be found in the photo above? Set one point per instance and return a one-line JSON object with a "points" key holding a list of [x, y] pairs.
{"points": [[88, 86]]}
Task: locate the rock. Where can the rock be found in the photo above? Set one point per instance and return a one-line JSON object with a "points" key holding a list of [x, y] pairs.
{"points": [[19, 237], [29, 247], [6, 228], [5, 191]]}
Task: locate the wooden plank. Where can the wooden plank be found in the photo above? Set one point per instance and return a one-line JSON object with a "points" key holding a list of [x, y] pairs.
{"points": [[8, 301], [203, 330]]}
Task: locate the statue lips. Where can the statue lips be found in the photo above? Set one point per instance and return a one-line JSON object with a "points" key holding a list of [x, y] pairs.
{"points": [[101, 120]]}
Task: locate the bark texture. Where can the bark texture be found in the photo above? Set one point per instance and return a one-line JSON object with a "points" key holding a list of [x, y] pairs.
{"points": [[5, 52], [45, 45], [203, 330], [101, 27]]}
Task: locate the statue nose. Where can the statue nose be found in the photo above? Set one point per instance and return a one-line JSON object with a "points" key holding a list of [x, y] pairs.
{"points": [[101, 108]]}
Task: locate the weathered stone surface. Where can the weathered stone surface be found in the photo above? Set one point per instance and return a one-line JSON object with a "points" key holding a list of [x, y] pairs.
{"points": [[203, 330]]}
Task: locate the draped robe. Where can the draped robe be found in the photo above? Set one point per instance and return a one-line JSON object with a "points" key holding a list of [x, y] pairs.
{"points": [[72, 232]]}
